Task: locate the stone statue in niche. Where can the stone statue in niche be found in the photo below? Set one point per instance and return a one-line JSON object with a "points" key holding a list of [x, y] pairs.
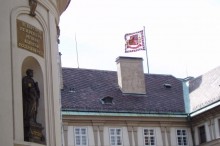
{"points": [[31, 95], [33, 6]]}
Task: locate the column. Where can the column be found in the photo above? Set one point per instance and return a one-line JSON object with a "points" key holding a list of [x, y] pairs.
{"points": [[101, 128], [135, 136], [163, 130], [95, 131], [130, 129], [65, 134]]}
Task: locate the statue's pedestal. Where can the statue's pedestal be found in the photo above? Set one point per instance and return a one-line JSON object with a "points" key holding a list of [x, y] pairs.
{"points": [[35, 133]]}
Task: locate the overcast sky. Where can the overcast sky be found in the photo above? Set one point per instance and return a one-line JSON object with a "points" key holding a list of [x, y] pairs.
{"points": [[182, 36]]}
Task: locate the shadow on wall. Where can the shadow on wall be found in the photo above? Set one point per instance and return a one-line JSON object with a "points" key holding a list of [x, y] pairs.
{"points": [[195, 84]]}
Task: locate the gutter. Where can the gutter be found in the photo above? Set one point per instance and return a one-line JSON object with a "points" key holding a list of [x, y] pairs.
{"points": [[205, 108], [79, 113]]}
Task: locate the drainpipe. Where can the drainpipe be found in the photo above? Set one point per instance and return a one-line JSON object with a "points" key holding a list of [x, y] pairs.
{"points": [[189, 119]]}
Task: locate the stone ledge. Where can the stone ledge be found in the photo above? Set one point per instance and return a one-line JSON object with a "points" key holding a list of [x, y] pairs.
{"points": [[24, 143]]}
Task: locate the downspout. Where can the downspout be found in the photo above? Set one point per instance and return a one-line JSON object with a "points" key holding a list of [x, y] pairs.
{"points": [[189, 119], [187, 107]]}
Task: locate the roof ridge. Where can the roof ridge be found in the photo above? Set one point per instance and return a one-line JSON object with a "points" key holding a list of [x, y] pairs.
{"points": [[100, 70], [88, 69]]}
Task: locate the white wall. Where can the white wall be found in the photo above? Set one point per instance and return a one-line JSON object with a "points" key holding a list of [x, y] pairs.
{"points": [[6, 114]]}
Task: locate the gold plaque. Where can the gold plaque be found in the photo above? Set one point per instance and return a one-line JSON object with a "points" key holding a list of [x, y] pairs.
{"points": [[30, 38]]}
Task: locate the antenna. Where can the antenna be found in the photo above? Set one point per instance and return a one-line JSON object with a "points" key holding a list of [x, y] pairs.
{"points": [[77, 57], [187, 70]]}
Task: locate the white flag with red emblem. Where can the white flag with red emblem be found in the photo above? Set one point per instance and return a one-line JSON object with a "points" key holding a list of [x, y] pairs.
{"points": [[134, 41]]}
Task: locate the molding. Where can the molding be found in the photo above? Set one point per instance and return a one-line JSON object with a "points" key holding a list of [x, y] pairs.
{"points": [[206, 116], [212, 143]]}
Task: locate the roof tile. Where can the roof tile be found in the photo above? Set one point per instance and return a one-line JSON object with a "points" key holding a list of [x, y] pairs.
{"points": [[89, 86]]}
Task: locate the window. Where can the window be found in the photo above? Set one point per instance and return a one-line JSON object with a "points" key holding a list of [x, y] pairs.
{"points": [[219, 126], [202, 135], [181, 137], [149, 137], [115, 136], [81, 138], [107, 100]]}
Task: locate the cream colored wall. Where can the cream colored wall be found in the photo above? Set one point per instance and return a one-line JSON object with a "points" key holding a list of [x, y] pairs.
{"points": [[70, 136], [106, 136], [90, 132], [125, 136]]}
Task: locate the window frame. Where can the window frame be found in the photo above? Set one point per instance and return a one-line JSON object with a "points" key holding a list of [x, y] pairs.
{"points": [[149, 136], [219, 126], [202, 140], [115, 136], [81, 135], [182, 136]]}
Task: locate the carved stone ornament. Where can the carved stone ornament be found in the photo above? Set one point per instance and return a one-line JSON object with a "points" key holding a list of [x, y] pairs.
{"points": [[33, 6]]}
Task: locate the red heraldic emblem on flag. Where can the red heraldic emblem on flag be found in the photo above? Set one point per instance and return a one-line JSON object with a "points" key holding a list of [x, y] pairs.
{"points": [[134, 41]]}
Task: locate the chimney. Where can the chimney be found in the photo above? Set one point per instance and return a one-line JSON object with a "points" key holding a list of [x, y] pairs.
{"points": [[131, 75]]}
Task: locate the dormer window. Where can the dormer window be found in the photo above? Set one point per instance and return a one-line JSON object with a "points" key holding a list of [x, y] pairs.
{"points": [[71, 90], [167, 85], [107, 100]]}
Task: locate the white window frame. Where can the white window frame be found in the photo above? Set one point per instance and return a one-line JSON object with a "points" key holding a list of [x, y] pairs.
{"points": [[149, 135], [81, 135], [116, 136], [182, 137]]}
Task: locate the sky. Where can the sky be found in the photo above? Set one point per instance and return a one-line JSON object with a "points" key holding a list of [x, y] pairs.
{"points": [[182, 36]]}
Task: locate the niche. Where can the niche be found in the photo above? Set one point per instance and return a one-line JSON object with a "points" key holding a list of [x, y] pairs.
{"points": [[34, 126]]}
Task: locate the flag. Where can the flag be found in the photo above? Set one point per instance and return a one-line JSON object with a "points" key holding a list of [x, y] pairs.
{"points": [[134, 41]]}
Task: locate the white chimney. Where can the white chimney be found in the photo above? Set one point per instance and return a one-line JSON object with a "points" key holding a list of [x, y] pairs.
{"points": [[131, 75]]}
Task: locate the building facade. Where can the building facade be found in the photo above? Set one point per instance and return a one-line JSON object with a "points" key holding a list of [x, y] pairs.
{"points": [[130, 108], [29, 41]]}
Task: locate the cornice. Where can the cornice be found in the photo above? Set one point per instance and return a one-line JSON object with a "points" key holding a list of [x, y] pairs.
{"points": [[205, 116], [124, 121], [56, 9]]}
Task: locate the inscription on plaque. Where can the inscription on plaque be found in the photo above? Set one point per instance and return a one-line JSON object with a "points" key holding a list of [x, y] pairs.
{"points": [[30, 38]]}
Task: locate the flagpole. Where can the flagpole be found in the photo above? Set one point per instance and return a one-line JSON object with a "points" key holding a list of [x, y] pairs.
{"points": [[146, 51]]}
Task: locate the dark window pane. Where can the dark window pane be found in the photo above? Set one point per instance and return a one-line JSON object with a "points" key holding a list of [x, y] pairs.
{"points": [[178, 132], [202, 134]]}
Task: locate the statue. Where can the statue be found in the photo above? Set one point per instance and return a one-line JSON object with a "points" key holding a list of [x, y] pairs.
{"points": [[33, 6], [31, 95]]}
